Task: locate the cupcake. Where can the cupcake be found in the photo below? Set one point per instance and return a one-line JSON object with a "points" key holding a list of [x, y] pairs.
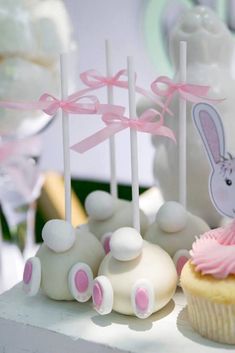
{"points": [[208, 281]]}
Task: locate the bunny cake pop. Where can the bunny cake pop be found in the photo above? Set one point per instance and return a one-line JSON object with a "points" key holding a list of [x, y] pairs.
{"points": [[65, 263], [105, 210], [174, 230], [126, 283], [67, 260], [107, 214]]}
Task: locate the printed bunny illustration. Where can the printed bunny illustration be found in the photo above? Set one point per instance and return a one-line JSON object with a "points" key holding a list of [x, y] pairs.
{"points": [[65, 264], [222, 178]]}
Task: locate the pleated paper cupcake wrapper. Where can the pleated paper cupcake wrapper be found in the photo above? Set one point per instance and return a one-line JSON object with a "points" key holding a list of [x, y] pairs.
{"points": [[212, 320]]}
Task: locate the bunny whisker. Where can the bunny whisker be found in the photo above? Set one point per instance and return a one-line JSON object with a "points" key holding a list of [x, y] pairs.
{"points": [[225, 171], [223, 158]]}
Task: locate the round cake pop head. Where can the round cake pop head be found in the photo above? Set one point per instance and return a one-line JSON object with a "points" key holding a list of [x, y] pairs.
{"points": [[107, 214], [53, 235], [171, 217], [135, 278], [65, 264], [222, 178], [100, 205], [126, 244]]}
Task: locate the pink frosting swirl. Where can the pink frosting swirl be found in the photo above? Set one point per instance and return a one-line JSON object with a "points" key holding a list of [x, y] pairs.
{"points": [[214, 252]]}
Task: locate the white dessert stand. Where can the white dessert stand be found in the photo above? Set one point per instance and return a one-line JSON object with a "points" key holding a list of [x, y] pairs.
{"points": [[40, 325]]}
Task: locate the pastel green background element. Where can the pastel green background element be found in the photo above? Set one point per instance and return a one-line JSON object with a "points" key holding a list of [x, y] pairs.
{"points": [[153, 32]]}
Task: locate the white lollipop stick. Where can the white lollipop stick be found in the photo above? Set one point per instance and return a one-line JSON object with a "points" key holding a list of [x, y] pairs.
{"points": [[1, 262], [65, 127], [182, 129], [112, 147], [134, 145]]}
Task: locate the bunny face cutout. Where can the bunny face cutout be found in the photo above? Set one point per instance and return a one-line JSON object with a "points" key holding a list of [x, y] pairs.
{"points": [[222, 178]]}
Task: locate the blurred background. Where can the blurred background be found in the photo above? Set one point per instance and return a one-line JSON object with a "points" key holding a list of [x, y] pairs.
{"points": [[32, 35]]}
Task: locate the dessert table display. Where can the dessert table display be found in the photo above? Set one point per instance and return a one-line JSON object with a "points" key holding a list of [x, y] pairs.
{"points": [[128, 276]]}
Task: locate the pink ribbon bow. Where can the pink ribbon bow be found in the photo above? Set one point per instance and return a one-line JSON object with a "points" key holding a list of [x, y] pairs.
{"points": [[190, 92], [74, 104], [94, 80], [116, 123]]}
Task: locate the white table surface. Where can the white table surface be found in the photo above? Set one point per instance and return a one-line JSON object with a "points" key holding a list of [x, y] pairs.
{"points": [[40, 325]]}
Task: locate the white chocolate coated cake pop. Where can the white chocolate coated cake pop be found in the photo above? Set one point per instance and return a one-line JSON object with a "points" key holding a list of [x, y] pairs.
{"points": [[136, 278], [174, 230], [65, 264]]}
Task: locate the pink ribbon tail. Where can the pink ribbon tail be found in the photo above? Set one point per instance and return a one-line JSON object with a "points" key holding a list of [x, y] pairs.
{"points": [[38, 105], [190, 92], [197, 93], [165, 132], [117, 123], [97, 138]]}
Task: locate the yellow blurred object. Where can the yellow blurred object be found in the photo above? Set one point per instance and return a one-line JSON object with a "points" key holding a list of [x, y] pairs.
{"points": [[51, 202]]}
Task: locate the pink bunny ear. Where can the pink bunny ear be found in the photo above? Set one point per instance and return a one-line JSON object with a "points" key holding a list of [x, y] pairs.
{"points": [[210, 128]]}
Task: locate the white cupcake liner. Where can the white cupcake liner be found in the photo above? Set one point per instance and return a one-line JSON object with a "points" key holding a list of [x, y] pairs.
{"points": [[212, 320]]}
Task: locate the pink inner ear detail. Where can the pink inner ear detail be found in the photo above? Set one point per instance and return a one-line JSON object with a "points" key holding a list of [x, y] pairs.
{"points": [[107, 245], [180, 264], [97, 295], [81, 281], [210, 131], [142, 299], [28, 270]]}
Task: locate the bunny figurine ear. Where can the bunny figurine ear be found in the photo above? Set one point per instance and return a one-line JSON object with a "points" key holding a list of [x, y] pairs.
{"points": [[210, 128]]}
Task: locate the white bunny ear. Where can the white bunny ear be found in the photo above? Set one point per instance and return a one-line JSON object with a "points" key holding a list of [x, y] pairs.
{"points": [[209, 125]]}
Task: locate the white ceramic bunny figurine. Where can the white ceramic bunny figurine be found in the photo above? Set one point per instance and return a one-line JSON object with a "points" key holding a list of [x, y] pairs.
{"points": [[222, 178], [209, 62]]}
